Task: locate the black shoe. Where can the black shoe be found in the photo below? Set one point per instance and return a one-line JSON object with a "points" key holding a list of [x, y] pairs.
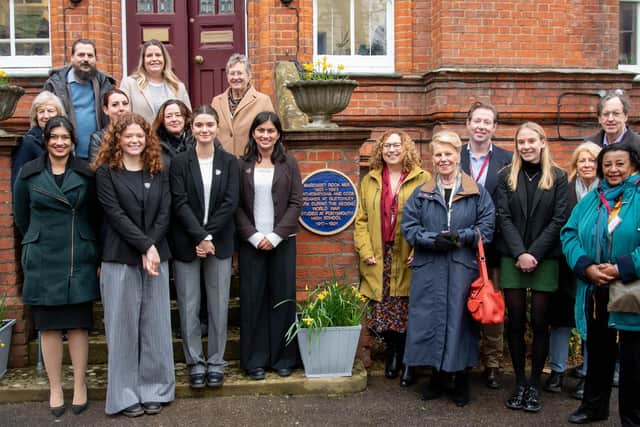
{"points": [[434, 389], [152, 408], [516, 401], [78, 409], [133, 411], [531, 400], [215, 379], [582, 416], [491, 376], [57, 411], [391, 359], [576, 372], [256, 373], [554, 382], [283, 372], [197, 380], [460, 395], [408, 376], [578, 393]]}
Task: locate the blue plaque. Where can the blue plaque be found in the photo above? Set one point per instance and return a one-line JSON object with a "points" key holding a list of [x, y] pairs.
{"points": [[330, 202]]}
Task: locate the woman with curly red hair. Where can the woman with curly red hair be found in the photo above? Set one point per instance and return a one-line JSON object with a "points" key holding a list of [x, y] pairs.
{"points": [[133, 189]]}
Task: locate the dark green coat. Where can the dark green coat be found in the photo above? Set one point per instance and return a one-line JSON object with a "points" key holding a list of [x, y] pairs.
{"points": [[59, 248]]}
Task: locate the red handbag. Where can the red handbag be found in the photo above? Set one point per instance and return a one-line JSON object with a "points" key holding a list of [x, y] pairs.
{"points": [[485, 304]]}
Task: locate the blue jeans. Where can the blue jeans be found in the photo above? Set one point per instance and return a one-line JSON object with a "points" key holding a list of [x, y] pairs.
{"points": [[559, 348]]}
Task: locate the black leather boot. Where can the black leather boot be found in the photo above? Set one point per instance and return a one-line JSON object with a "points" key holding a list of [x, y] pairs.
{"points": [[554, 382], [460, 395], [407, 376], [391, 360], [435, 388]]}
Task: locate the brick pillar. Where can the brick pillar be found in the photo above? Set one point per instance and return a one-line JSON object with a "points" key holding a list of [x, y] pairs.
{"points": [[320, 257], [10, 284]]}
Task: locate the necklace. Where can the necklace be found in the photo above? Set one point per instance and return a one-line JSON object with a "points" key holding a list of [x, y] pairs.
{"points": [[531, 177]]}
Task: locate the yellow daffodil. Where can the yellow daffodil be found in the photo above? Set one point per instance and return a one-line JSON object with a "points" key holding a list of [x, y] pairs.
{"points": [[308, 321]]}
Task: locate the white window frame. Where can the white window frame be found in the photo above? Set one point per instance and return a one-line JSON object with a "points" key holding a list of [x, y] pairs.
{"points": [[360, 64], [19, 64], [633, 67]]}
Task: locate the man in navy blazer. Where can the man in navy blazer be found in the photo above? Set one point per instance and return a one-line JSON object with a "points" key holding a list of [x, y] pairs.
{"points": [[482, 161]]}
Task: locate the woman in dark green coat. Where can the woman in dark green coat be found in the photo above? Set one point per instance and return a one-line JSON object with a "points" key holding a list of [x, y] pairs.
{"points": [[54, 209]]}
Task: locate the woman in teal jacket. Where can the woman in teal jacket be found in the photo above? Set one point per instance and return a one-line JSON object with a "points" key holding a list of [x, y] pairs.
{"points": [[54, 209], [601, 242]]}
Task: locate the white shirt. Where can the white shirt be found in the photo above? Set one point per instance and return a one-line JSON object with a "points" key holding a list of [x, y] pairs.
{"points": [[206, 170], [263, 211]]}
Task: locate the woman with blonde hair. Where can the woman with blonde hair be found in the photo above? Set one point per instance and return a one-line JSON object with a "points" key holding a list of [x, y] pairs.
{"points": [[441, 221], [384, 253], [133, 189], [531, 208], [44, 106], [153, 82]]}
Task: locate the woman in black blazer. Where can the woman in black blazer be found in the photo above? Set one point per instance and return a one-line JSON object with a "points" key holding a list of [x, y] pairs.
{"points": [[267, 221], [133, 189], [204, 187], [531, 208]]}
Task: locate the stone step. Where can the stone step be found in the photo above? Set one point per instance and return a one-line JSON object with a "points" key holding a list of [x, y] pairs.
{"points": [[233, 316], [30, 384], [98, 348]]}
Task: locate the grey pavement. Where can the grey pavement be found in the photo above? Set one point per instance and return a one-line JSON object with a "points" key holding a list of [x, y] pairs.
{"points": [[383, 403]]}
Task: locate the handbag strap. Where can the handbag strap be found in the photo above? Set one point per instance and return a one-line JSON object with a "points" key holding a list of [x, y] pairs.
{"points": [[482, 260]]}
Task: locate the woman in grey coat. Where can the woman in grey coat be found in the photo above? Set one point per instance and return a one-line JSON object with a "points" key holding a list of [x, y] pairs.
{"points": [[440, 221]]}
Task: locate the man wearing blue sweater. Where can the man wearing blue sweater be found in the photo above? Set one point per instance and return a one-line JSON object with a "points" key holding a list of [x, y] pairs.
{"points": [[80, 87]]}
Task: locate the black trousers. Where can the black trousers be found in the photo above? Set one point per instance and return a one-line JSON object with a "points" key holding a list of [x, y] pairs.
{"points": [[602, 348], [267, 278]]}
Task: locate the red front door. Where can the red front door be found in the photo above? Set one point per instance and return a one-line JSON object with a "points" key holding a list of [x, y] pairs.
{"points": [[200, 35]]}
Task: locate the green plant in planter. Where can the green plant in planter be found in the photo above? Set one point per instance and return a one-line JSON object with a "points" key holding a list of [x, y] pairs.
{"points": [[329, 304], [4, 78], [322, 70]]}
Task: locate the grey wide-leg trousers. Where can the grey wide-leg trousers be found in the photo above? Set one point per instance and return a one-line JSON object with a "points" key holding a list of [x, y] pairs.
{"points": [[137, 322]]}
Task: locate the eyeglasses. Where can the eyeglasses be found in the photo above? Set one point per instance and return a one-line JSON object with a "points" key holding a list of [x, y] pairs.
{"points": [[615, 114], [387, 146]]}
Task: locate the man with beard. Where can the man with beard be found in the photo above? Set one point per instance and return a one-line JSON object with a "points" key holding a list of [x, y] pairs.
{"points": [[81, 87], [482, 161]]}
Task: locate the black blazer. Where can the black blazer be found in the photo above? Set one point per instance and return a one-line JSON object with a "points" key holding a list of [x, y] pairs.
{"points": [[125, 238], [287, 198], [187, 192], [630, 137], [499, 158], [542, 223]]}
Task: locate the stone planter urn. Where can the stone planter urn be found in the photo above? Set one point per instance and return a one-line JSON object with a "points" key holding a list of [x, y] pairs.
{"points": [[320, 99], [9, 96]]}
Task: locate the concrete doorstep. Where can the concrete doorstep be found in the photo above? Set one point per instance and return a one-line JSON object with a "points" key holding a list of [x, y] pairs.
{"points": [[29, 384]]}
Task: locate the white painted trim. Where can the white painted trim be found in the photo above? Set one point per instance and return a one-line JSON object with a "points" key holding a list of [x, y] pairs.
{"points": [[356, 64], [14, 64], [123, 15]]}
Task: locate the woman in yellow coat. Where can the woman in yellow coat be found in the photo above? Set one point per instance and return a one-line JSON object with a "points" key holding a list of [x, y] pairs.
{"points": [[385, 255]]}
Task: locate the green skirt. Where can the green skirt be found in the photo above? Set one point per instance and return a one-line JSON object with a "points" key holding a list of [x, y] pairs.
{"points": [[543, 279]]}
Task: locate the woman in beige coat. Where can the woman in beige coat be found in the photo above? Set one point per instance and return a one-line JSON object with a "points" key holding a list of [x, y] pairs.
{"points": [[153, 82], [238, 105], [384, 253]]}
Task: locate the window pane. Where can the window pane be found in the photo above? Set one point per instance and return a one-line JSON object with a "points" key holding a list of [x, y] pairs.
{"points": [[628, 33], [225, 6], [370, 27], [4, 20], [32, 48], [145, 6], [32, 20], [207, 7], [165, 6], [334, 36]]}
